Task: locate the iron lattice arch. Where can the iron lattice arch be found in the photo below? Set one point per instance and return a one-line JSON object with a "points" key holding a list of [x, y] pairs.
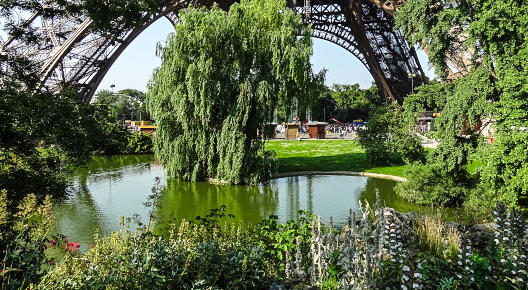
{"points": [[70, 51]]}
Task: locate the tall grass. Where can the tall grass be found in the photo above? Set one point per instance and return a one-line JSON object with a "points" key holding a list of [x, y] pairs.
{"points": [[437, 237]]}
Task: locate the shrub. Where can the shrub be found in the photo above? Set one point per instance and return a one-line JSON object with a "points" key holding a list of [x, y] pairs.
{"points": [[23, 239], [139, 142], [388, 140], [202, 254], [428, 184]]}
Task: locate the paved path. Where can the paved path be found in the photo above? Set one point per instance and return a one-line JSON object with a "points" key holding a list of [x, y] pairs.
{"points": [[353, 173]]}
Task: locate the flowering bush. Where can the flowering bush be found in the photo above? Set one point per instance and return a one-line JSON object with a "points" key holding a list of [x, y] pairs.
{"points": [[24, 236]]}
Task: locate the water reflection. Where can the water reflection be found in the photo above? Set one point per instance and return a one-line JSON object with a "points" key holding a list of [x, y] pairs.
{"points": [[190, 199], [111, 187]]}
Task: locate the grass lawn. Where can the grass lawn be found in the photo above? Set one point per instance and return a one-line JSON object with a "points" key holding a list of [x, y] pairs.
{"points": [[325, 155]]}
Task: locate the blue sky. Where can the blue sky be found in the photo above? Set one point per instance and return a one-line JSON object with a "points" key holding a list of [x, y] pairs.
{"points": [[134, 67]]}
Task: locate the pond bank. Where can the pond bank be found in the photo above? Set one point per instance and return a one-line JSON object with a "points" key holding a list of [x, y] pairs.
{"points": [[345, 173]]}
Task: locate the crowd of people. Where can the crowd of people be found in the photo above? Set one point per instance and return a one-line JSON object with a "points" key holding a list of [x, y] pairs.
{"points": [[343, 129]]}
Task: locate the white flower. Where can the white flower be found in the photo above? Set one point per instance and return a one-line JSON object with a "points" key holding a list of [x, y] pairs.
{"points": [[466, 268], [460, 263], [495, 212], [503, 261], [459, 276], [498, 219], [497, 241], [505, 239], [419, 266], [468, 248], [416, 286], [404, 287], [523, 257], [406, 268], [418, 275], [472, 279], [405, 278], [507, 223], [460, 256]]}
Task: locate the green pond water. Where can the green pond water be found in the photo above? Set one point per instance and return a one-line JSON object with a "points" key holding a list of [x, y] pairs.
{"points": [[111, 187]]}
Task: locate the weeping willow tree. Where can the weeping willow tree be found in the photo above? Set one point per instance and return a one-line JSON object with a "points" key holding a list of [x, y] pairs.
{"points": [[223, 77]]}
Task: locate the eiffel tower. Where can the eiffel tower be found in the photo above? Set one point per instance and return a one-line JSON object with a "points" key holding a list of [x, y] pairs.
{"points": [[70, 51]]}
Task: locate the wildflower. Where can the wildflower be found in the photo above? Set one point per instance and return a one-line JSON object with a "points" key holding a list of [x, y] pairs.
{"points": [[77, 245], [406, 268], [503, 261], [505, 239], [418, 275], [404, 277], [404, 287], [416, 286], [460, 263]]}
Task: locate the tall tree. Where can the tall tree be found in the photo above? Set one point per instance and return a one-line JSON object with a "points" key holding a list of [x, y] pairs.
{"points": [[494, 90], [125, 104], [223, 76]]}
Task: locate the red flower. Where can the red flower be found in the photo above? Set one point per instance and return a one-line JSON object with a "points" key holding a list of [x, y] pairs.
{"points": [[77, 245], [69, 244]]}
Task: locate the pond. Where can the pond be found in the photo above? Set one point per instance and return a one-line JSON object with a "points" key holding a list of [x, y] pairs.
{"points": [[111, 187]]}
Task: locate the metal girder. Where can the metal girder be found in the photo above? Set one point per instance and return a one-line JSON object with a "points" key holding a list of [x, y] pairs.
{"points": [[70, 52]]}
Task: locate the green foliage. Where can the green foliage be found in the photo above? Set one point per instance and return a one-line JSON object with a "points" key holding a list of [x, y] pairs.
{"points": [[276, 239], [346, 103], [127, 104], [24, 234], [139, 142], [494, 90], [388, 140], [429, 184], [223, 74], [205, 253], [436, 25]]}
